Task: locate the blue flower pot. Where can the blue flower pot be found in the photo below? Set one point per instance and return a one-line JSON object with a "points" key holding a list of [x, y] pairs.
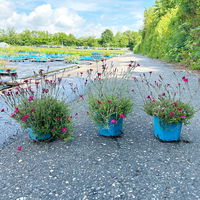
{"points": [[112, 129], [38, 136], [165, 132]]}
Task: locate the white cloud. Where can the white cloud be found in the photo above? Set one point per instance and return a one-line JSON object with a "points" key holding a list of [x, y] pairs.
{"points": [[43, 17], [97, 29], [6, 9], [90, 18]]}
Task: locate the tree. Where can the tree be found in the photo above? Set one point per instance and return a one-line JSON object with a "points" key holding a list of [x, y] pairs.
{"points": [[107, 38]]}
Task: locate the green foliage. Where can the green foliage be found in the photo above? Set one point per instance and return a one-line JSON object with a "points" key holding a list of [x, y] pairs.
{"points": [[108, 92], [171, 32], [102, 109], [46, 115], [71, 59], [40, 105], [106, 37], [30, 38], [170, 112], [12, 51]]}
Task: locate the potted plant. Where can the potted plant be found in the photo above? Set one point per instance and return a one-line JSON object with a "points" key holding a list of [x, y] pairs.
{"points": [[168, 116], [107, 96], [39, 106], [168, 103], [108, 112]]}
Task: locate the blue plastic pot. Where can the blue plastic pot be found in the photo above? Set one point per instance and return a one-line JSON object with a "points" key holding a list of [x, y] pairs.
{"points": [[112, 129], [167, 132], [38, 136]]}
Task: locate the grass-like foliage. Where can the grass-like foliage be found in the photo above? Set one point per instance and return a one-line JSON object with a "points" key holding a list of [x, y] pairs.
{"points": [[170, 112], [40, 105], [45, 115], [109, 108]]}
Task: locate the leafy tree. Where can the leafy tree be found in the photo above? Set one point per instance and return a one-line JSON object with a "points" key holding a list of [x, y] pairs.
{"points": [[172, 31], [107, 37]]}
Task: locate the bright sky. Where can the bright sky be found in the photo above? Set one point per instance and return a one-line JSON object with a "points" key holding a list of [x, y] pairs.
{"points": [[79, 17]]}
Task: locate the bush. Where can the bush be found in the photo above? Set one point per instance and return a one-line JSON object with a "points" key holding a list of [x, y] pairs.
{"points": [[108, 108], [45, 115], [170, 112]]}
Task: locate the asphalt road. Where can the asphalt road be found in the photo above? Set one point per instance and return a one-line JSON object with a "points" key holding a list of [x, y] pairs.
{"points": [[133, 166]]}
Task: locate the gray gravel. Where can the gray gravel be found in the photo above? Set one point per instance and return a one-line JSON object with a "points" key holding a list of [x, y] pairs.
{"points": [[134, 166]]}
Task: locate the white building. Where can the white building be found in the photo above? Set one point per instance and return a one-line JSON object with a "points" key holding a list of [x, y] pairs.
{"points": [[3, 44]]}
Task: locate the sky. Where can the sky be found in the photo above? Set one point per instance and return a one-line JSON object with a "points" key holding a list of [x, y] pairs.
{"points": [[80, 17]]}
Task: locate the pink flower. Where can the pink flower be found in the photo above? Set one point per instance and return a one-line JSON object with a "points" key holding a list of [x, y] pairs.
{"points": [[58, 118], [174, 103], [69, 117], [134, 78], [81, 96], [2, 110], [122, 116], [98, 74], [16, 110], [183, 77], [148, 97], [53, 129], [171, 114], [99, 102], [163, 94], [31, 98], [64, 130], [45, 90], [180, 109], [152, 99], [183, 117], [109, 101], [13, 115], [25, 117], [33, 110], [36, 83], [25, 81], [185, 80], [19, 148], [113, 121]]}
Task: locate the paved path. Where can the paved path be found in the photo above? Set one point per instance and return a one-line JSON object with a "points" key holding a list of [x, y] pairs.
{"points": [[134, 166]]}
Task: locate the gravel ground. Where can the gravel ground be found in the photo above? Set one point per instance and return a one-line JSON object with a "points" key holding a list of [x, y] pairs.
{"points": [[26, 68], [133, 166]]}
